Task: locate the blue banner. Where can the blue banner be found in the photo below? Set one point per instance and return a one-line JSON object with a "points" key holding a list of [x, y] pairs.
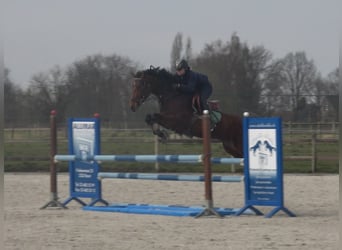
{"points": [[84, 142], [263, 158]]}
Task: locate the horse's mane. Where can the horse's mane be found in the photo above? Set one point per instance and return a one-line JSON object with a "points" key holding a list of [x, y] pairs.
{"points": [[163, 74]]}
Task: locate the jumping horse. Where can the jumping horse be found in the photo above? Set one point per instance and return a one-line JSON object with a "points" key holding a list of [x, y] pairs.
{"points": [[176, 111]]}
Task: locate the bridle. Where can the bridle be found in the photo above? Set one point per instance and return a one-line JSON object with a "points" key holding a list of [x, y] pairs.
{"points": [[142, 98]]}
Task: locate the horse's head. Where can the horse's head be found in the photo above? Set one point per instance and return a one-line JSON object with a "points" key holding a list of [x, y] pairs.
{"points": [[141, 89], [153, 81]]}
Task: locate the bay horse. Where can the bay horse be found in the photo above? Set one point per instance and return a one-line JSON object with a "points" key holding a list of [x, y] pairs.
{"points": [[176, 111]]}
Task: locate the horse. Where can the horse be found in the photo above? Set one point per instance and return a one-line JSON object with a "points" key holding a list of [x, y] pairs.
{"points": [[176, 111]]}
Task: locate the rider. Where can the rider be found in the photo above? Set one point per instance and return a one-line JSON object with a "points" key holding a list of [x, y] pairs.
{"points": [[191, 82]]}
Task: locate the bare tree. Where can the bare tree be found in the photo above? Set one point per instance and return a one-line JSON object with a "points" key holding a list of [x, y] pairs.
{"points": [[297, 76], [272, 97], [101, 84], [47, 91], [188, 50], [176, 50]]}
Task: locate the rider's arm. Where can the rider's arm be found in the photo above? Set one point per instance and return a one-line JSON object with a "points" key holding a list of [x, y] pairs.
{"points": [[190, 86]]}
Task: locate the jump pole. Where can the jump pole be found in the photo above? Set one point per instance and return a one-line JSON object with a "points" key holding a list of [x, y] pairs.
{"points": [[205, 158], [53, 170], [209, 209]]}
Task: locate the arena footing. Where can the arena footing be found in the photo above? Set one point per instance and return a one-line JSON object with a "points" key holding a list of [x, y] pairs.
{"points": [[167, 210]]}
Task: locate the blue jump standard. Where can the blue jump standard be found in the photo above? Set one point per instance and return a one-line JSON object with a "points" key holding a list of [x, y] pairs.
{"points": [[167, 210]]}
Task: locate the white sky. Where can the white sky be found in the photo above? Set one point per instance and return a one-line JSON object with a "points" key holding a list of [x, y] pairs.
{"points": [[39, 34]]}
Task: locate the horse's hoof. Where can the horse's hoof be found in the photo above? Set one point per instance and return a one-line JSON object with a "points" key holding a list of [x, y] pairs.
{"points": [[163, 139], [163, 136]]}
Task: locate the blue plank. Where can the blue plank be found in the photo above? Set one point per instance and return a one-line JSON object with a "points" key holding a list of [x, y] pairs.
{"points": [[154, 209]]}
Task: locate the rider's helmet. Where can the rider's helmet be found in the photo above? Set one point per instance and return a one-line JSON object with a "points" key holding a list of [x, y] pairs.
{"points": [[182, 64]]}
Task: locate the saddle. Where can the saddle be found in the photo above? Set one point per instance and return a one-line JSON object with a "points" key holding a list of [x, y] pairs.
{"points": [[214, 113]]}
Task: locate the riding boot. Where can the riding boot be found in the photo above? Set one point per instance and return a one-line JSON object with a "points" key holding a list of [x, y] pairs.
{"points": [[212, 125]]}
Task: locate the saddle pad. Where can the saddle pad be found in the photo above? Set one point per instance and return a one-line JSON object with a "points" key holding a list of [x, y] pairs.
{"points": [[215, 116]]}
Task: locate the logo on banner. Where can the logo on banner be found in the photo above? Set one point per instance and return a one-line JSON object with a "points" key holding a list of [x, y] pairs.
{"points": [[262, 152], [84, 139]]}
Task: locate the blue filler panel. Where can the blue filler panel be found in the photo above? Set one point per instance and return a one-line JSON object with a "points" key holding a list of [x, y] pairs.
{"points": [[168, 210]]}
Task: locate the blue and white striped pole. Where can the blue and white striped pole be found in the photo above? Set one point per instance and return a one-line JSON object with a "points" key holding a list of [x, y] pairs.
{"points": [[167, 177], [150, 158]]}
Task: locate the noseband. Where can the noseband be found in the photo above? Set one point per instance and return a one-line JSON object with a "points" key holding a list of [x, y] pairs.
{"points": [[143, 83]]}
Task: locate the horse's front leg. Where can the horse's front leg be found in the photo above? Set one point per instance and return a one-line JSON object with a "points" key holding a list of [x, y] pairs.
{"points": [[153, 120]]}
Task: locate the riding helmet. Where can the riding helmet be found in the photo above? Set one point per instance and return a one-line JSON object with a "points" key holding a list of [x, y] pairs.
{"points": [[182, 64]]}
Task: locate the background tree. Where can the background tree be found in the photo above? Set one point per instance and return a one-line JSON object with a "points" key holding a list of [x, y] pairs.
{"points": [[236, 72], [188, 50], [176, 51], [100, 84], [331, 108], [47, 91], [14, 103], [297, 75], [272, 96], [245, 78], [248, 76]]}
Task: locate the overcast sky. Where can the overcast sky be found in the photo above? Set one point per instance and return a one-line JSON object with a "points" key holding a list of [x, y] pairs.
{"points": [[39, 34]]}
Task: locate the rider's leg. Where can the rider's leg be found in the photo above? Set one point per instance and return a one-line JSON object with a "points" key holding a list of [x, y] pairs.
{"points": [[204, 95]]}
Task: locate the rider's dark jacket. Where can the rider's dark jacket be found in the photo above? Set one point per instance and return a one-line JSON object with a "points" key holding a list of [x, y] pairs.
{"points": [[192, 82]]}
